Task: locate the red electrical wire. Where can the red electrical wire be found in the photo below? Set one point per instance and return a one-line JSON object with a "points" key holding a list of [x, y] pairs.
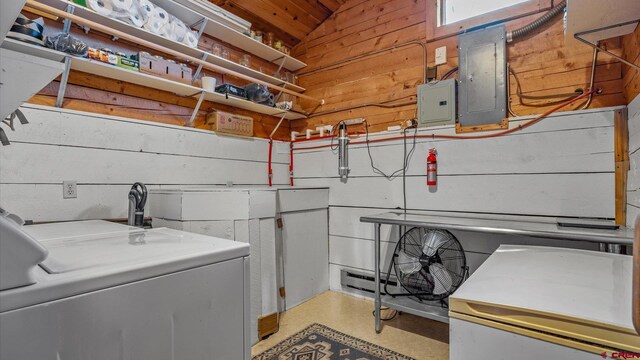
{"points": [[458, 137], [269, 169], [291, 164]]}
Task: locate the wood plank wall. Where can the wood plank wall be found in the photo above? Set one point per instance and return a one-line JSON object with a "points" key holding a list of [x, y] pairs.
{"points": [[106, 154], [544, 63], [573, 175], [631, 77], [87, 92]]}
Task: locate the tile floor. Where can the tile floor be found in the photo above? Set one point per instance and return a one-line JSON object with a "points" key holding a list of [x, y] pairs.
{"points": [[413, 336]]}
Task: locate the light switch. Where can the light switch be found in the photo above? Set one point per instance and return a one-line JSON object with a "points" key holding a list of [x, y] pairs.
{"points": [[441, 55]]}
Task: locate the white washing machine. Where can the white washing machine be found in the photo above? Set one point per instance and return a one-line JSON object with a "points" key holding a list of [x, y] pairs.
{"points": [[530, 302], [98, 290]]}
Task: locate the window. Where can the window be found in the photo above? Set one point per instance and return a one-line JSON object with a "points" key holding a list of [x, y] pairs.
{"points": [[452, 11], [450, 17]]}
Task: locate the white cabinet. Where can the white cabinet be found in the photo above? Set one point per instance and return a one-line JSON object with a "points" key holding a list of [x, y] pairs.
{"points": [[305, 243], [240, 214], [294, 256]]}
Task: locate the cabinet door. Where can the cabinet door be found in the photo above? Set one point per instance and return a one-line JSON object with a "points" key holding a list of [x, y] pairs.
{"points": [[305, 238]]}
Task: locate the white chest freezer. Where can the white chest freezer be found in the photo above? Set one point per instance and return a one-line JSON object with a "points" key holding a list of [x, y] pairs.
{"points": [[530, 302], [110, 291]]}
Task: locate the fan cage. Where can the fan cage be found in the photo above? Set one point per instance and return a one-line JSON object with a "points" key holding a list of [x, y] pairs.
{"points": [[448, 255]]}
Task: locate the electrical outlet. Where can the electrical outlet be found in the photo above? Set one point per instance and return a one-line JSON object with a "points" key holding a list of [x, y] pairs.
{"points": [[441, 55], [69, 190]]}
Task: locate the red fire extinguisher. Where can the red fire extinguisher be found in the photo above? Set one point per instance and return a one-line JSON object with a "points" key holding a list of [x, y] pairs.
{"points": [[432, 168]]}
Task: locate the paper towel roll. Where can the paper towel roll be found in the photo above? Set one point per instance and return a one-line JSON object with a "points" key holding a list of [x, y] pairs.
{"points": [[146, 8], [191, 39], [102, 7], [123, 5]]}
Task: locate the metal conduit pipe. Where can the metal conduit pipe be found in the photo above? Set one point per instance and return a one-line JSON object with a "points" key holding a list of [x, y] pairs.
{"points": [[593, 76], [528, 29]]}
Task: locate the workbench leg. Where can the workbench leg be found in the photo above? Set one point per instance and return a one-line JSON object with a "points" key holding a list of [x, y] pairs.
{"points": [[376, 268]]}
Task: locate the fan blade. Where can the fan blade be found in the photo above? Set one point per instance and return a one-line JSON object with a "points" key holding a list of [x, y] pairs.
{"points": [[434, 240], [408, 264], [441, 278]]}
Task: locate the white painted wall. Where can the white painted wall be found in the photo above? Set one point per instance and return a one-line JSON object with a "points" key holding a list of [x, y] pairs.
{"points": [[562, 166], [633, 178], [106, 154]]}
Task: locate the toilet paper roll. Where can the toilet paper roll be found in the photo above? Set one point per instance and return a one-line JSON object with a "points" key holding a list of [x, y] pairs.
{"points": [[135, 18], [191, 39], [102, 7], [154, 25], [122, 5], [179, 29], [161, 15], [146, 9]]}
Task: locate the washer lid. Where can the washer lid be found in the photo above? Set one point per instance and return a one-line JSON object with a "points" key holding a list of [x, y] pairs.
{"points": [[107, 256], [573, 294], [86, 245]]}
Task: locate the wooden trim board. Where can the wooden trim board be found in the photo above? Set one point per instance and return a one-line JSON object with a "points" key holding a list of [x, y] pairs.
{"points": [[268, 325], [621, 148]]}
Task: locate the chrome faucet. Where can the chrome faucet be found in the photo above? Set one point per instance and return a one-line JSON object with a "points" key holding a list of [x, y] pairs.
{"points": [[137, 200]]}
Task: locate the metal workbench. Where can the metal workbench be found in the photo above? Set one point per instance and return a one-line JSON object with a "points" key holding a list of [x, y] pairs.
{"points": [[506, 225]]}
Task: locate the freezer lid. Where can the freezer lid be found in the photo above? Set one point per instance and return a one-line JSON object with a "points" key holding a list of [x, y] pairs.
{"points": [[89, 245], [577, 294]]}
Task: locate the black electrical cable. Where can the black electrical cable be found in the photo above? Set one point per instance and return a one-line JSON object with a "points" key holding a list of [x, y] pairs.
{"points": [[449, 73], [406, 159]]}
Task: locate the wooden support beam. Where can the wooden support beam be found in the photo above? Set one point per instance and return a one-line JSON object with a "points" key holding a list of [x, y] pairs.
{"points": [[621, 149]]}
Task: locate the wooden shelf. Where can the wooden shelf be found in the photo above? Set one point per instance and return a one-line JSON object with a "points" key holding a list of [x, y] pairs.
{"points": [[160, 40], [38, 51], [231, 36], [139, 78]]}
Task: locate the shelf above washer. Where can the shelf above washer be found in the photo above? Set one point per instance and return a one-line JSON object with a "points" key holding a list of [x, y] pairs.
{"points": [[139, 78], [144, 34]]}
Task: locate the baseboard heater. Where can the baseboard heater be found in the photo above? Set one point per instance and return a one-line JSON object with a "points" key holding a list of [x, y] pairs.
{"points": [[365, 282]]}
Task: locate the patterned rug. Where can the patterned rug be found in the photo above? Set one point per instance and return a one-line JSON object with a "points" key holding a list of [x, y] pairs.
{"points": [[318, 342]]}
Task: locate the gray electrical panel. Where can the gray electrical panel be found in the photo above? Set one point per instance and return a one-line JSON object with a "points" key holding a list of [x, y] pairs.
{"points": [[437, 103], [482, 77]]}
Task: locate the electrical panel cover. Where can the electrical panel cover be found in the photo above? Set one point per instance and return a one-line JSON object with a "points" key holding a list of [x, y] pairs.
{"points": [[437, 103]]}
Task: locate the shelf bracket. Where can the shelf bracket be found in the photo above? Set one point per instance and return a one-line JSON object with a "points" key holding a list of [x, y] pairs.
{"points": [[284, 60], [199, 69], [277, 126], [64, 79], [578, 36], [203, 25], [192, 120]]}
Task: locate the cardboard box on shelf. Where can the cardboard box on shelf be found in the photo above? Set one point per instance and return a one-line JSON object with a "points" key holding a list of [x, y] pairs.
{"points": [[154, 65], [179, 72], [228, 123]]}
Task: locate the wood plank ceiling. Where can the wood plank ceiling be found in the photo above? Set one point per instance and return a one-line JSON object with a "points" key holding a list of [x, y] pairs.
{"points": [[289, 20]]}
